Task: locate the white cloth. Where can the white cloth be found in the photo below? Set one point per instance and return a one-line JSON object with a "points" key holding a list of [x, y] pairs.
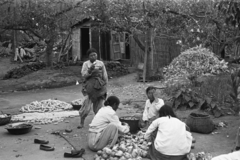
{"points": [[16, 54], [103, 118], [99, 64], [151, 109], [22, 52], [231, 156], [172, 137]]}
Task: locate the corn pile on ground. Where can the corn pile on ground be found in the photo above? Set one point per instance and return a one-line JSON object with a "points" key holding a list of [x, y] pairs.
{"points": [[46, 106], [195, 61], [129, 147]]}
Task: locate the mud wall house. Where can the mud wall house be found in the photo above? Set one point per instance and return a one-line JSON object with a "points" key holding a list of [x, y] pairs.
{"points": [[110, 45]]}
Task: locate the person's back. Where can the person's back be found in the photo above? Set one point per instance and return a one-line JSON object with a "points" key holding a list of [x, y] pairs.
{"points": [[169, 137], [172, 137], [102, 118]]}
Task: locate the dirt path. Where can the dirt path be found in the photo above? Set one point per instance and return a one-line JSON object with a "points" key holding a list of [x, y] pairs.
{"points": [[22, 147]]}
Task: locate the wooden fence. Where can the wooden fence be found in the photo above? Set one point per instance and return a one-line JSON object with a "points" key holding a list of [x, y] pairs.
{"points": [[164, 51]]}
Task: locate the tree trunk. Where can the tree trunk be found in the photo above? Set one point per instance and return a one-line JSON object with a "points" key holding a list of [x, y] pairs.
{"points": [[14, 43], [148, 62], [139, 42], [63, 45], [49, 50], [145, 59], [15, 40], [150, 67]]}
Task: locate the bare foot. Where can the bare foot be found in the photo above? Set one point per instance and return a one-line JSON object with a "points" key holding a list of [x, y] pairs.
{"points": [[80, 126], [193, 140]]}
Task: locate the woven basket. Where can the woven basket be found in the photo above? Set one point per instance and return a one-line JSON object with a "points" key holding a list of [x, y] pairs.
{"points": [[133, 124], [5, 120], [200, 123]]}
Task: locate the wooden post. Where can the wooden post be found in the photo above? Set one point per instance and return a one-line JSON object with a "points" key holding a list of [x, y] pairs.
{"points": [[99, 44], [151, 47], [15, 41], [145, 58], [149, 67], [146, 51], [111, 46], [90, 37], [237, 146]]}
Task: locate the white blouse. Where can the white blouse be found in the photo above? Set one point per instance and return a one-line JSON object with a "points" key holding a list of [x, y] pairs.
{"points": [[172, 137], [151, 109], [103, 118]]}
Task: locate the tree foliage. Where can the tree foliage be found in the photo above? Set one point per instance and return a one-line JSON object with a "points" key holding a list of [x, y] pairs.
{"points": [[46, 20], [192, 22]]}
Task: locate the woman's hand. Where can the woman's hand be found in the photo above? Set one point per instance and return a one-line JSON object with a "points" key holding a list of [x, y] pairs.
{"points": [[128, 127], [125, 124], [91, 69]]}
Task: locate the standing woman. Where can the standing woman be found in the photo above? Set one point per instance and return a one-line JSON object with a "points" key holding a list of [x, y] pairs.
{"points": [[94, 85]]}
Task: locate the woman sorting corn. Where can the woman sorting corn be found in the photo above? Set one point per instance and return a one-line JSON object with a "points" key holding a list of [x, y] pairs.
{"points": [[105, 126], [169, 137]]}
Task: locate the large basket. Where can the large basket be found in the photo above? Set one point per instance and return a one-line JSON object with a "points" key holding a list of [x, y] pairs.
{"points": [[5, 120], [76, 107], [200, 123], [133, 123], [22, 130]]}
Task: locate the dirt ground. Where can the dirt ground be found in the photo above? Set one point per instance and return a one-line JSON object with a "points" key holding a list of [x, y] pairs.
{"points": [[21, 147]]}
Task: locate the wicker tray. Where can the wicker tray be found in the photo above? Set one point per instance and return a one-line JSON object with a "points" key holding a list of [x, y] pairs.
{"points": [[200, 123], [5, 120]]}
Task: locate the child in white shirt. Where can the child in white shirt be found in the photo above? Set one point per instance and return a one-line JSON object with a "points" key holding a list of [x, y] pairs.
{"points": [[152, 107]]}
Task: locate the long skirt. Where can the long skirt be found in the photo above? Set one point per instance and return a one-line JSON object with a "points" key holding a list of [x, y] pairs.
{"points": [[108, 137], [96, 91], [86, 107], [156, 155]]}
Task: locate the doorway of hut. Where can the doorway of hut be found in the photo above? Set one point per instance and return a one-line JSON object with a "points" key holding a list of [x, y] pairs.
{"points": [[85, 43]]}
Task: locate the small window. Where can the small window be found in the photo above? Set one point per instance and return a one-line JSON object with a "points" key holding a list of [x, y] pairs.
{"points": [[116, 38]]}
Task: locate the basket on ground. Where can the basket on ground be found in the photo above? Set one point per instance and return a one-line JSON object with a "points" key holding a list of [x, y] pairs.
{"points": [[5, 120], [18, 129], [76, 107], [133, 122], [200, 123]]}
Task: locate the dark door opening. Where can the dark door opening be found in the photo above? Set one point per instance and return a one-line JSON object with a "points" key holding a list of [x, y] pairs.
{"points": [[127, 49], [105, 45], [85, 45]]}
